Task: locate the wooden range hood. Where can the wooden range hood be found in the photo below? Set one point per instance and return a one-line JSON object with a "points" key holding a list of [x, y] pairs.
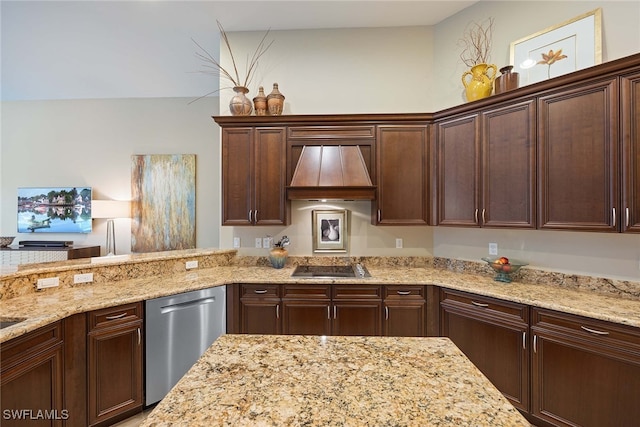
{"points": [[331, 172]]}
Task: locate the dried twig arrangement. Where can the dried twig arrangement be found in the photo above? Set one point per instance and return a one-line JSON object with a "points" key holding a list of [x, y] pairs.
{"points": [[476, 42], [213, 66]]}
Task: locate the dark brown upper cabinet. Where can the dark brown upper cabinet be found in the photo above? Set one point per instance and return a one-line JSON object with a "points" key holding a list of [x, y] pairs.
{"points": [[402, 172], [630, 102], [253, 176], [578, 158]]}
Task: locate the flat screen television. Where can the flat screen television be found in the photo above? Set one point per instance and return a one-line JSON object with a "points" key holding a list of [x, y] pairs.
{"points": [[54, 210]]}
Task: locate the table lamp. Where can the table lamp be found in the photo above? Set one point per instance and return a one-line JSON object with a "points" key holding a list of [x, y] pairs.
{"points": [[110, 209]]}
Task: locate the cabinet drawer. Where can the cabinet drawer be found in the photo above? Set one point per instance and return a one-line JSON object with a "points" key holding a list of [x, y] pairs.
{"points": [[259, 291], [306, 291], [590, 330], [490, 306], [357, 291], [113, 316], [404, 292]]}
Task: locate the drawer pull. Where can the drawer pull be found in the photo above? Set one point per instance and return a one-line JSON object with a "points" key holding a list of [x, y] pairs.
{"points": [[403, 292], [524, 340], [535, 343], [277, 311], [117, 316], [479, 304], [594, 331], [386, 313], [328, 313], [260, 291], [139, 337]]}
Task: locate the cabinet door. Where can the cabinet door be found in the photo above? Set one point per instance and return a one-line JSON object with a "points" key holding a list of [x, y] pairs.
{"points": [[404, 311], [458, 163], [402, 159], [115, 371], [578, 158], [237, 176], [631, 153], [270, 175], [32, 379], [586, 377], [357, 318], [306, 309], [509, 166], [493, 335]]}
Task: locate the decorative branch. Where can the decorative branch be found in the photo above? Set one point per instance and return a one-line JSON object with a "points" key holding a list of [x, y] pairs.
{"points": [[476, 43]]}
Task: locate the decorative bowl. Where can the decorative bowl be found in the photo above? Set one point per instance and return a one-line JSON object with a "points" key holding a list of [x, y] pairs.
{"points": [[6, 241], [504, 271]]}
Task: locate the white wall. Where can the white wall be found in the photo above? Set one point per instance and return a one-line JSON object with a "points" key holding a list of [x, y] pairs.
{"points": [[411, 69]]}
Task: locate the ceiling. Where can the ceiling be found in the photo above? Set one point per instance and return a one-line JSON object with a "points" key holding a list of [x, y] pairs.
{"points": [[245, 15]]}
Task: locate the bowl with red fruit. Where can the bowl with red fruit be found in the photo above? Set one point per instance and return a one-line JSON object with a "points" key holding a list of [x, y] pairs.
{"points": [[504, 267]]}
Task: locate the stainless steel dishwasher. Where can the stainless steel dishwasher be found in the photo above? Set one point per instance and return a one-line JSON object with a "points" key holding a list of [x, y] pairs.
{"points": [[178, 329]]}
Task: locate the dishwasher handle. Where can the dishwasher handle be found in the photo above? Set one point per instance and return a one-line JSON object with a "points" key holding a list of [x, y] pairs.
{"points": [[187, 304]]}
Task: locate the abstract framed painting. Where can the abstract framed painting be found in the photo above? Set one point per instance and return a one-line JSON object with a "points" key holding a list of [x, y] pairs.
{"points": [[163, 204]]}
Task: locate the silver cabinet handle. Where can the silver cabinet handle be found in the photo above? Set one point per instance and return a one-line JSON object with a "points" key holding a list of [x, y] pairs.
{"points": [[483, 220], [524, 340], [277, 311], [479, 304], [386, 313], [328, 312], [535, 343], [614, 216], [475, 216], [250, 212], [626, 221], [335, 312], [260, 291], [255, 216], [379, 215], [403, 292], [139, 337], [117, 316], [593, 331]]}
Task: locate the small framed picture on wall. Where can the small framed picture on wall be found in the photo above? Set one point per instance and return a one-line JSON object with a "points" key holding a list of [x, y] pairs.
{"points": [[330, 231]]}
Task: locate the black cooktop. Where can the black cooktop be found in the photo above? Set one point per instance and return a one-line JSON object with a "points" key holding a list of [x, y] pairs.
{"points": [[331, 271]]}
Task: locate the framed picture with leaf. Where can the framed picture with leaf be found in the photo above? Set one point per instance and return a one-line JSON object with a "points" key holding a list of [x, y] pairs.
{"points": [[561, 49]]}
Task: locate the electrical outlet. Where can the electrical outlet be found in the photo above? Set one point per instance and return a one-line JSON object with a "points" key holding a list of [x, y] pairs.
{"points": [[266, 242], [236, 243], [398, 243], [493, 249], [83, 278], [258, 242], [191, 264], [49, 282]]}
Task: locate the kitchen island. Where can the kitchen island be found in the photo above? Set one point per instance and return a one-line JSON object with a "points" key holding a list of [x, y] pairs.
{"points": [[256, 380]]}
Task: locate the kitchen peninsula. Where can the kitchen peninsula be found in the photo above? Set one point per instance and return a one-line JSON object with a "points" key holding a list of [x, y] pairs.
{"points": [[254, 380]]}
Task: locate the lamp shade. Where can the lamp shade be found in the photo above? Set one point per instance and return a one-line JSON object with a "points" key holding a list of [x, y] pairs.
{"points": [[110, 209]]}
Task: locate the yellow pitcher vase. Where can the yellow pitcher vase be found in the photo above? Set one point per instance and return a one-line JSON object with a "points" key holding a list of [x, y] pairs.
{"points": [[480, 85]]}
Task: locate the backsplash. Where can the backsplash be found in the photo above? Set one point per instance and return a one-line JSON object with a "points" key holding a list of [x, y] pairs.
{"points": [[173, 262]]}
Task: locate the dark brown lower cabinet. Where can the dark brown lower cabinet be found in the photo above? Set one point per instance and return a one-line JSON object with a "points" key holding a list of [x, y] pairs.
{"points": [[405, 311], [259, 309], [114, 358], [492, 333], [306, 309], [357, 310], [584, 372], [31, 379]]}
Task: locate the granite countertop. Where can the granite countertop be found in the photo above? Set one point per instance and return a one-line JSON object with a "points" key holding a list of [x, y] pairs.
{"points": [[273, 380], [42, 308]]}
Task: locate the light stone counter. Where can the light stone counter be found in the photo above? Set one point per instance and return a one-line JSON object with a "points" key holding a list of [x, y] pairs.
{"points": [[42, 308], [267, 380]]}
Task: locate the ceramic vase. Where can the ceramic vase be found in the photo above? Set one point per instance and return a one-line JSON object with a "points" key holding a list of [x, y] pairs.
{"points": [[260, 103], [240, 105], [478, 82], [278, 257], [507, 80], [275, 101]]}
